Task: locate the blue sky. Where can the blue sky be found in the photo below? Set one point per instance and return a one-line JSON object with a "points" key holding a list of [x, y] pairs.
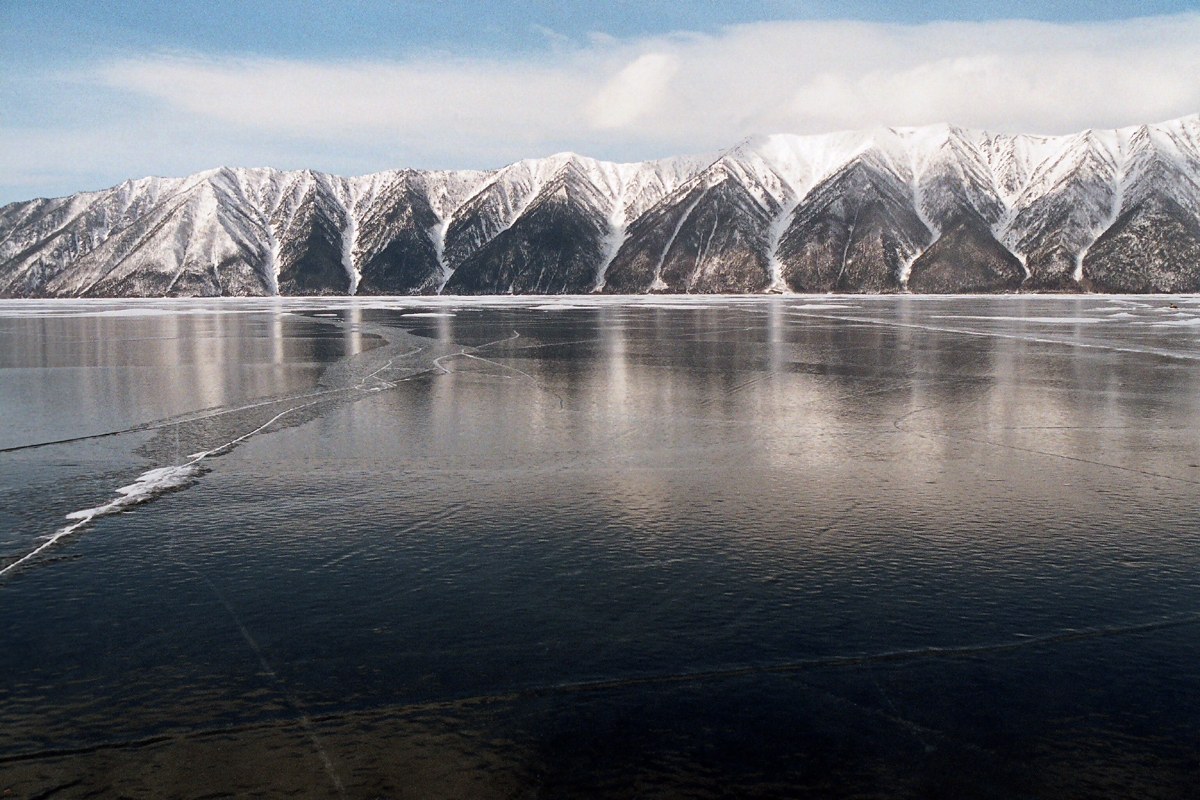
{"points": [[347, 28], [95, 92]]}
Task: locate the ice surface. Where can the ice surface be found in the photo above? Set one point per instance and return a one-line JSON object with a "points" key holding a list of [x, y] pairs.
{"points": [[1043, 320], [146, 487]]}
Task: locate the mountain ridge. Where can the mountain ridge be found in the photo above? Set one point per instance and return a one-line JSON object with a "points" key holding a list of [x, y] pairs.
{"points": [[853, 211]]}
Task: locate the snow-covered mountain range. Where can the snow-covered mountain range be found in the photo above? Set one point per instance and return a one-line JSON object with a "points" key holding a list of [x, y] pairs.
{"points": [[933, 209]]}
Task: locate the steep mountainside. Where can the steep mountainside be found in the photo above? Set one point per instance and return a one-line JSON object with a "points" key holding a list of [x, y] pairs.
{"points": [[934, 209], [856, 232]]}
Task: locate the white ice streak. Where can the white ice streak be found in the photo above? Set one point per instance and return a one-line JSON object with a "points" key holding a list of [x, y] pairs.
{"points": [[146, 487], [1021, 337], [1186, 322], [158, 481], [559, 306], [1041, 320]]}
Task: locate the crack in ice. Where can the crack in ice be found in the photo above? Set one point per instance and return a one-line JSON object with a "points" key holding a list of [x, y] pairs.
{"points": [[156, 482]]}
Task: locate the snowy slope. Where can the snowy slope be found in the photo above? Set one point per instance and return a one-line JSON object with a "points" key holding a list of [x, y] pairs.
{"points": [[933, 209]]}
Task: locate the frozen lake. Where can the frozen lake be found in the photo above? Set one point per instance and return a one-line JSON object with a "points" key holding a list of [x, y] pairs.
{"points": [[823, 546]]}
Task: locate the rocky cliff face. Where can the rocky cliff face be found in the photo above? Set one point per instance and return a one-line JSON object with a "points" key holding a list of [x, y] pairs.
{"points": [[935, 209]]}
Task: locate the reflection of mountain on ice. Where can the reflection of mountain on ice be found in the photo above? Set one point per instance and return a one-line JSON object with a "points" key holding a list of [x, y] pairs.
{"points": [[934, 209]]}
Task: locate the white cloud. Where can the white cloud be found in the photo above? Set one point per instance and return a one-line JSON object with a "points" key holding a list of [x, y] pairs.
{"points": [[638, 98], [696, 90], [331, 101], [633, 92]]}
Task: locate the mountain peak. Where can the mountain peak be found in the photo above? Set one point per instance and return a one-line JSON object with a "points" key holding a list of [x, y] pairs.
{"points": [[852, 210]]}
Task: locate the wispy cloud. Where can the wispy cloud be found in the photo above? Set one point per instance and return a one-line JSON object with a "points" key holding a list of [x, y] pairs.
{"points": [[634, 92], [333, 101], [686, 92], [768, 77]]}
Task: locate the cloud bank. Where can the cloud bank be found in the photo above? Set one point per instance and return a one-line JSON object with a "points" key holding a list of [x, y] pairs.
{"points": [[632, 99], [770, 77]]}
